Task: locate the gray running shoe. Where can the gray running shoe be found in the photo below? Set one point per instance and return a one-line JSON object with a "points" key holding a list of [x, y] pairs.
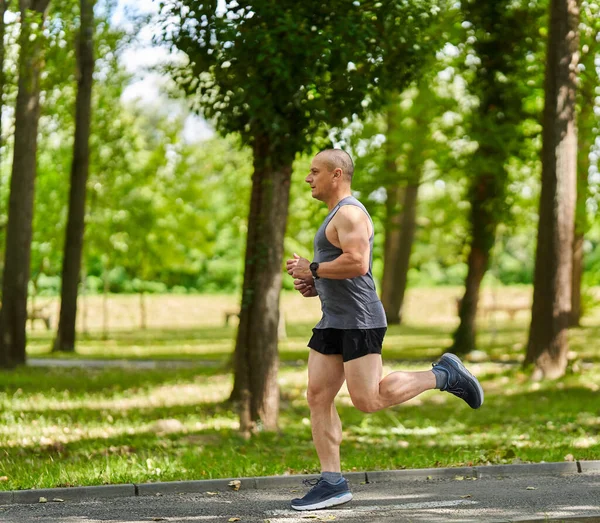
{"points": [[322, 495], [460, 382]]}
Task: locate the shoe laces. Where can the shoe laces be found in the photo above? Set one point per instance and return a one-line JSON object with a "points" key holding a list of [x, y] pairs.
{"points": [[311, 482]]}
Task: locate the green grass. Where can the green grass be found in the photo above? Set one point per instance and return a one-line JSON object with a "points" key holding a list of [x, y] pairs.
{"points": [[63, 427]]}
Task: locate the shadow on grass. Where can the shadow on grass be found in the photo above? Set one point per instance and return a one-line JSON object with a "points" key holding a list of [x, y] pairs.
{"points": [[51, 381]]}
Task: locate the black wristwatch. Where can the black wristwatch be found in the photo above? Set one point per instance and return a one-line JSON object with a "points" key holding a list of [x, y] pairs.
{"points": [[314, 267]]}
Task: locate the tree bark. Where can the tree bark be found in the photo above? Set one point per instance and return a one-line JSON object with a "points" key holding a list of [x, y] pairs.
{"points": [[548, 345], [393, 204], [3, 9], [399, 238], [586, 122], [65, 339], [256, 359], [484, 222], [13, 316]]}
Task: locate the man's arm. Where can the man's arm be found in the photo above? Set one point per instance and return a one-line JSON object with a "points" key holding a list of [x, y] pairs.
{"points": [[352, 228]]}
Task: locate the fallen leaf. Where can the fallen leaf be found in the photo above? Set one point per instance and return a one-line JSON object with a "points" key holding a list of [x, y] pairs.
{"points": [[235, 484], [429, 477], [58, 500], [459, 478], [211, 493], [43, 500], [3, 478], [234, 519], [159, 519], [531, 488], [466, 496], [568, 457]]}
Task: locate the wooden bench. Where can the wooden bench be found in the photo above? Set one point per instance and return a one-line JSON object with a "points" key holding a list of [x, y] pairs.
{"points": [[281, 328], [487, 309], [40, 313]]}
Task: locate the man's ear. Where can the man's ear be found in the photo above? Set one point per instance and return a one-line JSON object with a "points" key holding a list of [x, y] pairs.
{"points": [[337, 173]]}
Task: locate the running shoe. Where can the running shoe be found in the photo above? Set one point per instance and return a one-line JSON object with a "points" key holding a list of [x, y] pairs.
{"points": [[322, 495], [460, 382]]}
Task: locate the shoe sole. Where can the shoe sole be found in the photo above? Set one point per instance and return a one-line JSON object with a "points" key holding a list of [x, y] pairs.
{"points": [[331, 502], [458, 365]]}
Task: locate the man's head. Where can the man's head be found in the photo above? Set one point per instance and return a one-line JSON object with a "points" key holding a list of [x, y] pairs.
{"points": [[330, 172]]}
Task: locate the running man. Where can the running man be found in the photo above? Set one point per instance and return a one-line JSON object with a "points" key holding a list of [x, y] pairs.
{"points": [[346, 343]]}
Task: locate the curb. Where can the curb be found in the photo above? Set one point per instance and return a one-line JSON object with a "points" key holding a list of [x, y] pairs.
{"points": [[266, 482]]}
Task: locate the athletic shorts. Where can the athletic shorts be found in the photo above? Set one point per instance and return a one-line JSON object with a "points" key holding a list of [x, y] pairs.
{"points": [[350, 343]]}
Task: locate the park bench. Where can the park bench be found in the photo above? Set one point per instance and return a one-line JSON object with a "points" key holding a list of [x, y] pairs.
{"points": [[281, 328], [488, 309], [40, 313]]}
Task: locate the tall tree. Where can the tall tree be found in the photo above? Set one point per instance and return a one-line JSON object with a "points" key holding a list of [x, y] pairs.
{"points": [[278, 73], [13, 316], [587, 130], [65, 339], [500, 30], [409, 145], [3, 9], [548, 345]]}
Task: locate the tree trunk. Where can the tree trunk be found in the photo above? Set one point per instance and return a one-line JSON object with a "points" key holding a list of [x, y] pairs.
{"points": [[65, 339], [393, 222], [548, 345], [399, 240], [483, 230], [3, 9], [105, 289], [13, 316], [391, 255], [586, 134], [256, 354], [143, 311]]}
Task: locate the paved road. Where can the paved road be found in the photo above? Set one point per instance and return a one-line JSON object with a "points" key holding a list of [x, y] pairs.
{"points": [[569, 498]]}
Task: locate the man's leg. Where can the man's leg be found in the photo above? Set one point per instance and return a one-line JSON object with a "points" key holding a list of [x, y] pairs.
{"points": [[325, 378], [370, 393]]}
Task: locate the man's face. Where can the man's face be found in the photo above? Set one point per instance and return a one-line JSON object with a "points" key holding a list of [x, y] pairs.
{"points": [[319, 178]]}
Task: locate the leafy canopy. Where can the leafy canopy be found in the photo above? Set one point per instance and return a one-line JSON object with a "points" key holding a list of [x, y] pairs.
{"points": [[281, 69]]}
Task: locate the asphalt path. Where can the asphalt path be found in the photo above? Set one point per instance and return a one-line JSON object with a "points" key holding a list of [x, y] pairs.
{"points": [[523, 498]]}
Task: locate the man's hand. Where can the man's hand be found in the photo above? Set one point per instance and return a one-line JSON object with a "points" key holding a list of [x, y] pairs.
{"points": [[299, 268], [306, 289]]}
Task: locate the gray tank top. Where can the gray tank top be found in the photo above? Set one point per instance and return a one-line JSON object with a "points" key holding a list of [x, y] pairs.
{"points": [[352, 303]]}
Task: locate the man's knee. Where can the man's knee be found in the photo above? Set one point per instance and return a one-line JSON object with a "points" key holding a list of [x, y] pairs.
{"points": [[365, 403], [318, 396]]}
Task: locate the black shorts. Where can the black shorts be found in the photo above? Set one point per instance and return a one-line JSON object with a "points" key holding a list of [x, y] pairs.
{"points": [[350, 343]]}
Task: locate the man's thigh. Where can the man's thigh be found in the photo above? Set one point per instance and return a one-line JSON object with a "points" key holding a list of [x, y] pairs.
{"points": [[325, 373], [363, 375]]}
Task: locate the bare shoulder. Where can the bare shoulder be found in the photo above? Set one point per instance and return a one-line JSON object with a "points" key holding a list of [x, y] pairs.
{"points": [[351, 217]]}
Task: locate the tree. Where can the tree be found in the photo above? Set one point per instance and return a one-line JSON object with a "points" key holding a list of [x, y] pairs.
{"points": [[3, 9], [13, 315], [547, 345], [65, 340], [587, 123], [277, 73], [500, 30], [412, 119]]}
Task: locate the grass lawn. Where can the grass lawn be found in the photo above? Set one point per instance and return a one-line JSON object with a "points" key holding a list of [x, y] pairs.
{"points": [[61, 427]]}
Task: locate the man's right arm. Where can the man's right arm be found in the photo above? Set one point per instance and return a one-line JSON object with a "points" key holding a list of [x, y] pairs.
{"points": [[305, 288]]}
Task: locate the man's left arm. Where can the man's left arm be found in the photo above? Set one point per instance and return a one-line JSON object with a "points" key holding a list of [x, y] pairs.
{"points": [[352, 227]]}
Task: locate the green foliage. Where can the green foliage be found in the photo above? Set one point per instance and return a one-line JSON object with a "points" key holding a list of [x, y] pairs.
{"points": [[261, 68]]}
